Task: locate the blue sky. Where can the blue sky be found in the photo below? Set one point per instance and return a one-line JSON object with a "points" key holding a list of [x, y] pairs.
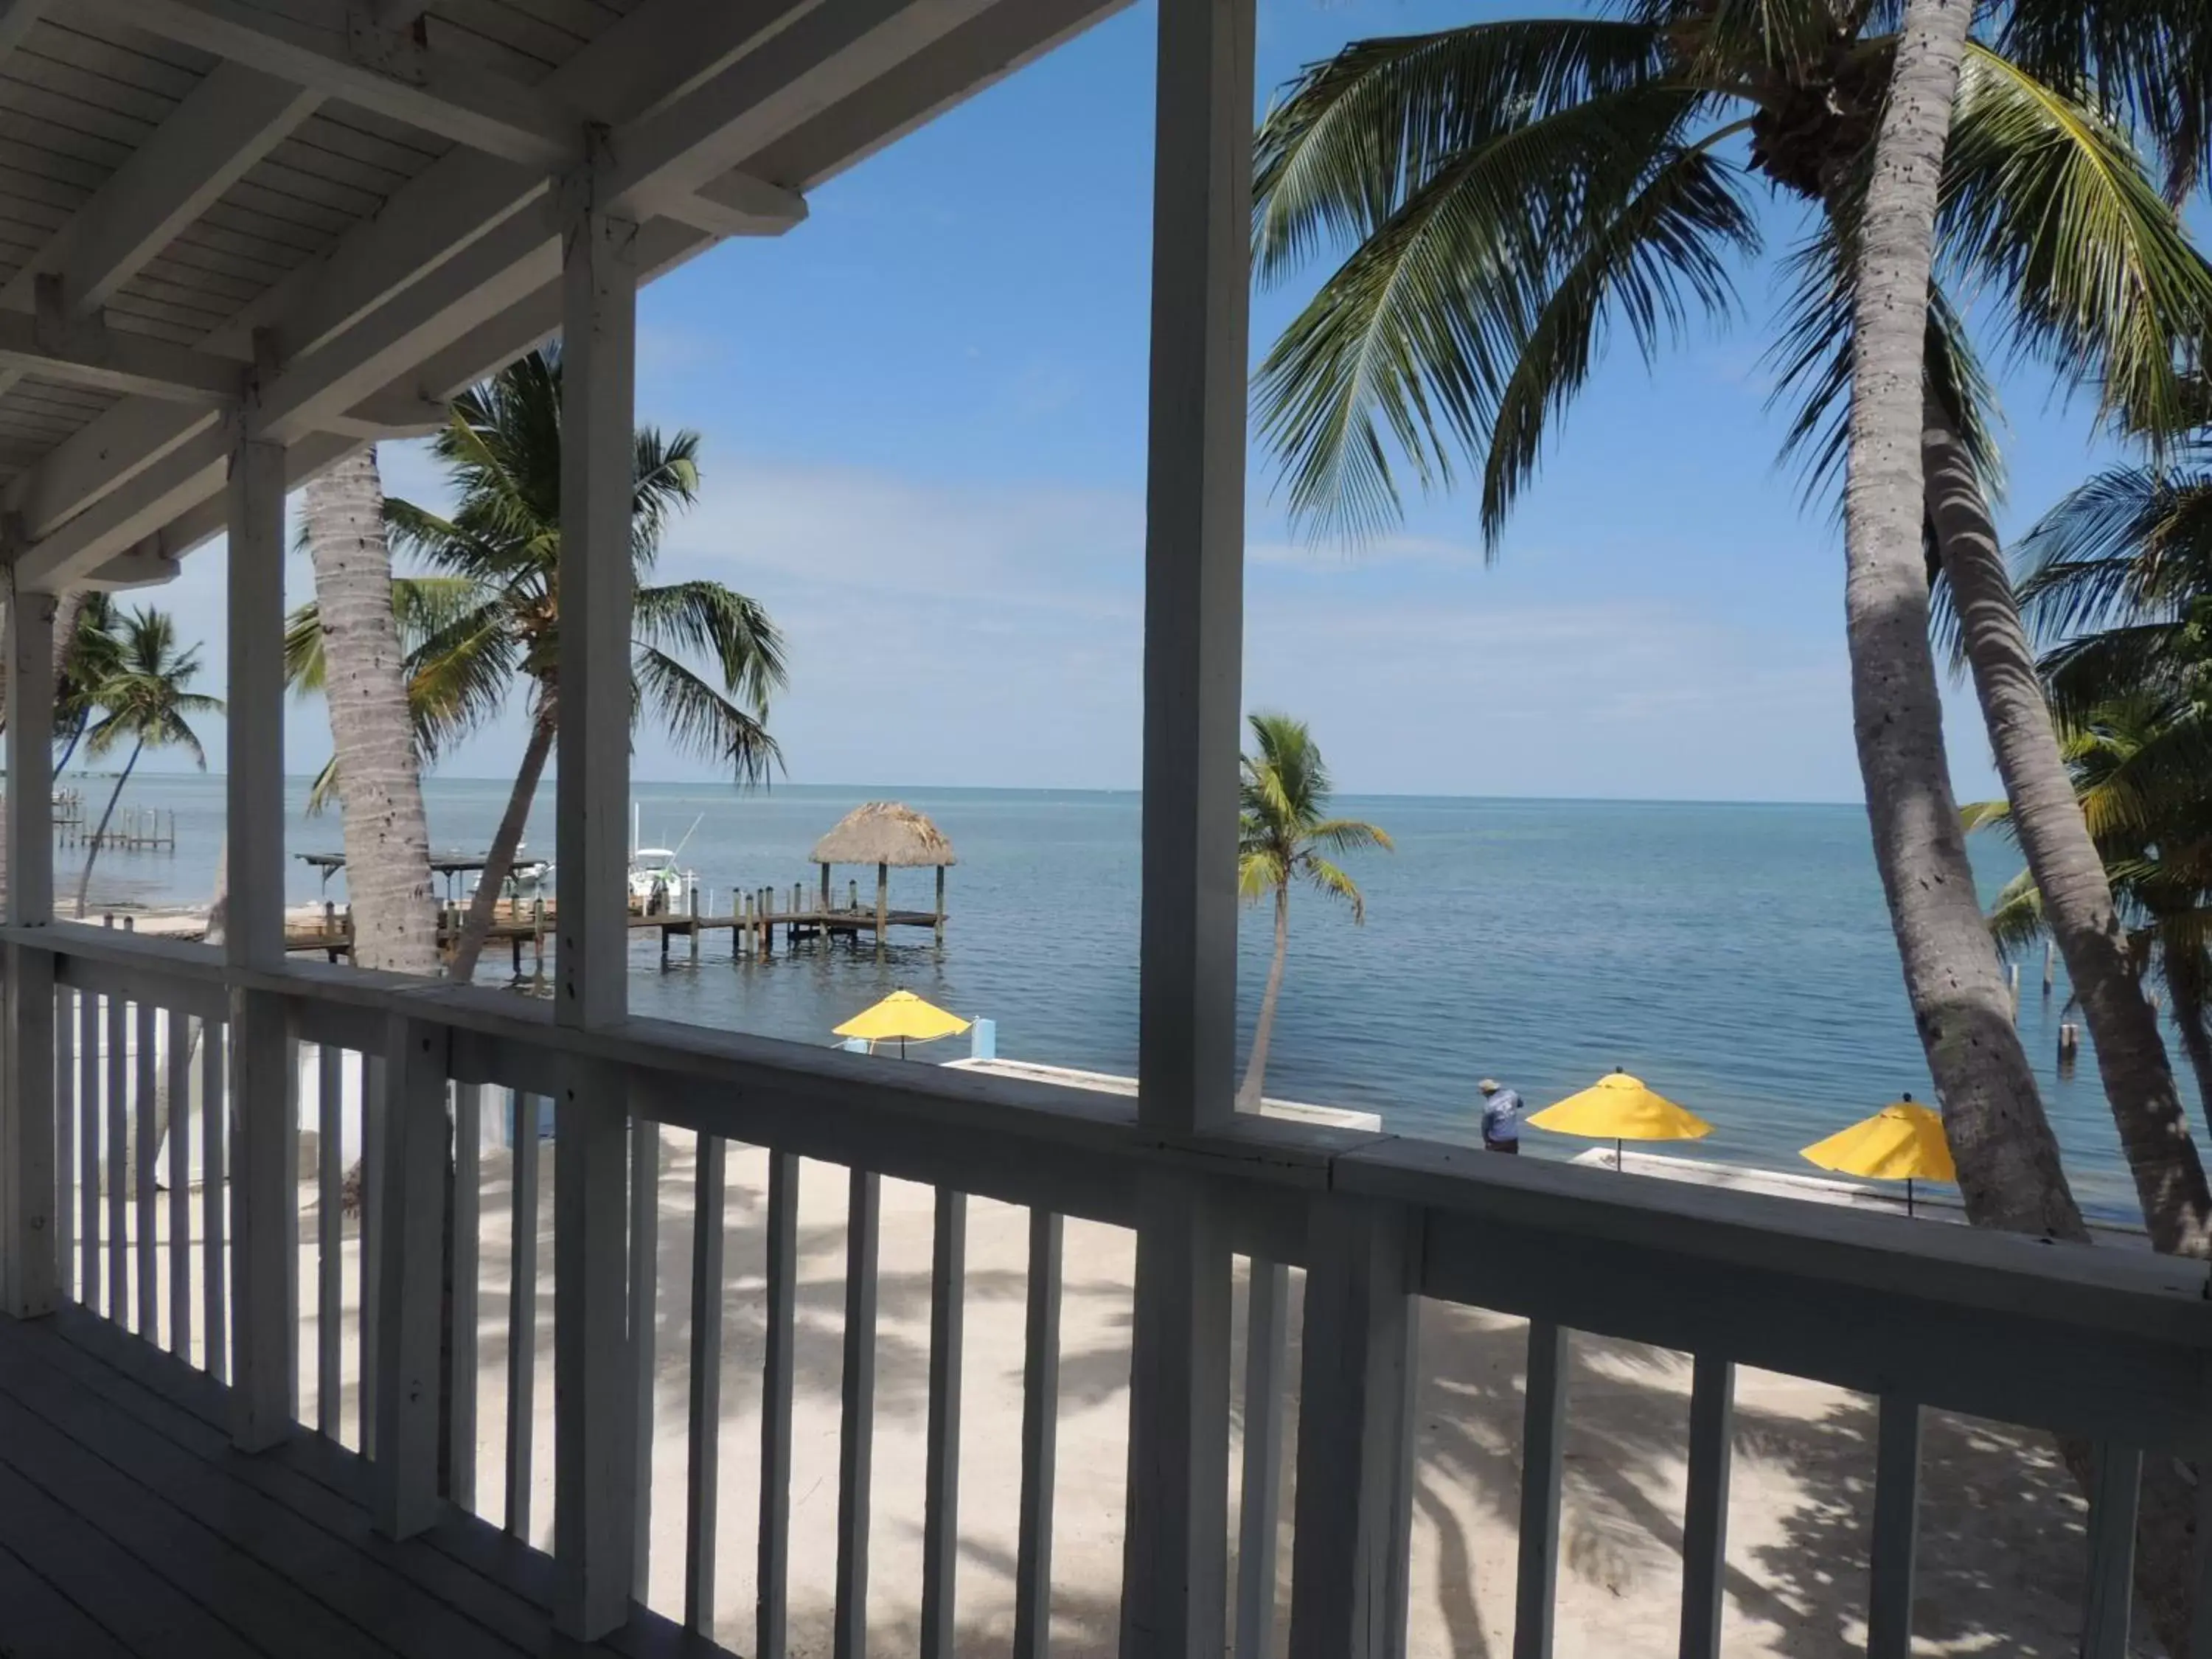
{"points": [[923, 422]]}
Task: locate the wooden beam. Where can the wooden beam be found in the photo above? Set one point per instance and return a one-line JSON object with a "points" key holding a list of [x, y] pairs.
{"points": [[409, 1239], [85, 351], [596, 1438], [1354, 1504], [392, 76], [592, 817], [1195, 563], [264, 1186], [1175, 1552], [222, 129], [30, 1264]]}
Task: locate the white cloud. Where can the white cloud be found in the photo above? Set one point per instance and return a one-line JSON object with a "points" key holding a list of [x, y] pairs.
{"points": [[962, 634]]}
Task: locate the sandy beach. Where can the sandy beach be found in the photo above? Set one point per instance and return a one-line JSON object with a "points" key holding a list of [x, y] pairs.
{"points": [[2001, 1542]]}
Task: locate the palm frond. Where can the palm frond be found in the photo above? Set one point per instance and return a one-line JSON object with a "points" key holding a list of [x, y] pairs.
{"points": [[702, 720], [2045, 201], [1350, 140], [1334, 882], [721, 624]]}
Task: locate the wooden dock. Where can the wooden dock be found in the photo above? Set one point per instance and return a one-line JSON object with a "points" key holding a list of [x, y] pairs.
{"points": [[134, 830], [528, 930]]}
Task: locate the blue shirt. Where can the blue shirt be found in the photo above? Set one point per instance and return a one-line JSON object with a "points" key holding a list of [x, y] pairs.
{"points": [[1501, 1116]]}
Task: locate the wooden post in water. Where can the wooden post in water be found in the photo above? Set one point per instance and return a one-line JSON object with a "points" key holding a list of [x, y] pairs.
{"points": [[695, 923], [2012, 985], [852, 895], [883, 901], [940, 904], [2050, 964], [825, 892]]}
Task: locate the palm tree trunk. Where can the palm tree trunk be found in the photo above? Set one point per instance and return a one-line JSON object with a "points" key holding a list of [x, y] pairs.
{"points": [[2008, 1159], [477, 927], [2077, 900], [68, 609], [387, 837], [91, 852], [1256, 1065]]}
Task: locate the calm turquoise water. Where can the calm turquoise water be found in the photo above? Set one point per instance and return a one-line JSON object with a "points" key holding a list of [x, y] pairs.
{"points": [[1738, 958]]}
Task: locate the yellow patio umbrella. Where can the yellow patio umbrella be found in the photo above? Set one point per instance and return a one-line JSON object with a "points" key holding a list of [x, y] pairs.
{"points": [[904, 1016], [1903, 1141], [1618, 1108]]}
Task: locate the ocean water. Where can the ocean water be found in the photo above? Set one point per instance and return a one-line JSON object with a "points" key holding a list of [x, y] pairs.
{"points": [[1738, 958]]}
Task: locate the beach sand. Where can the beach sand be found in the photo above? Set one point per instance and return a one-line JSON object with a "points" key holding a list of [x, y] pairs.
{"points": [[2001, 1540]]}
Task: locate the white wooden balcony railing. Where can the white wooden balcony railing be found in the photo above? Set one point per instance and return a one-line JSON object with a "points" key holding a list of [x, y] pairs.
{"points": [[2098, 1344]]}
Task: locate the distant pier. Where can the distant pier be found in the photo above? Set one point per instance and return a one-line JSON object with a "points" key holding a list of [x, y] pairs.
{"points": [[754, 924]]}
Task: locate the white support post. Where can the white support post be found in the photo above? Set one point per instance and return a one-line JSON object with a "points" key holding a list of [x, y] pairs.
{"points": [[1354, 1505], [1175, 1567], [404, 1471], [597, 411], [264, 1177], [1176, 1542], [30, 1268], [1194, 563], [595, 1432]]}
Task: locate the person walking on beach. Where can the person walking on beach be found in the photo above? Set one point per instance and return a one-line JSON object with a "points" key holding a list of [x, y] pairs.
{"points": [[1501, 1118]]}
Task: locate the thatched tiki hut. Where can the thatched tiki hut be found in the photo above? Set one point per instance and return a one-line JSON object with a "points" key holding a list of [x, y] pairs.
{"points": [[884, 833]]}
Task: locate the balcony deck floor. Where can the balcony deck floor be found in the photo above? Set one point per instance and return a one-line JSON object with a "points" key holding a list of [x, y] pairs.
{"points": [[130, 1527]]}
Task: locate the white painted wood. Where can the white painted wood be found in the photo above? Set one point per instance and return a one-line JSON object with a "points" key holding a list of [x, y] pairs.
{"points": [[1259, 1510], [1355, 1431], [1705, 1518], [216, 1119], [30, 1268], [1896, 1528], [404, 1473], [375, 1176], [177, 1057], [88, 354], [330, 1240], [88, 1141], [225, 126], [1175, 1554], [856, 1433], [940, 1502], [460, 1368], [264, 1190], [463, 102], [118, 1181], [253, 926], [702, 1482], [1039, 1439], [1543, 1441], [522, 1312], [68, 1176], [145, 1077], [598, 401], [644, 1287], [263, 1220], [780, 1297], [2109, 1594], [1194, 562], [594, 1432]]}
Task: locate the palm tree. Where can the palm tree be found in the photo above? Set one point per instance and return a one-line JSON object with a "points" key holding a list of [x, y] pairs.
{"points": [[144, 701], [364, 683], [1281, 834], [2152, 822], [486, 609], [91, 654], [1513, 190]]}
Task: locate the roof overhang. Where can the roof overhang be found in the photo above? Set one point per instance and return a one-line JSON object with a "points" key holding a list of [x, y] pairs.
{"points": [[315, 223]]}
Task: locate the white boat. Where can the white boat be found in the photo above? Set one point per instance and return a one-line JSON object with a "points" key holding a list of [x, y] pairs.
{"points": [[657, 886]]}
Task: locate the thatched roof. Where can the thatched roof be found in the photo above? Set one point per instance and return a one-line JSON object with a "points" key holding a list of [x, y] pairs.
{"points": [[885, 832]]}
